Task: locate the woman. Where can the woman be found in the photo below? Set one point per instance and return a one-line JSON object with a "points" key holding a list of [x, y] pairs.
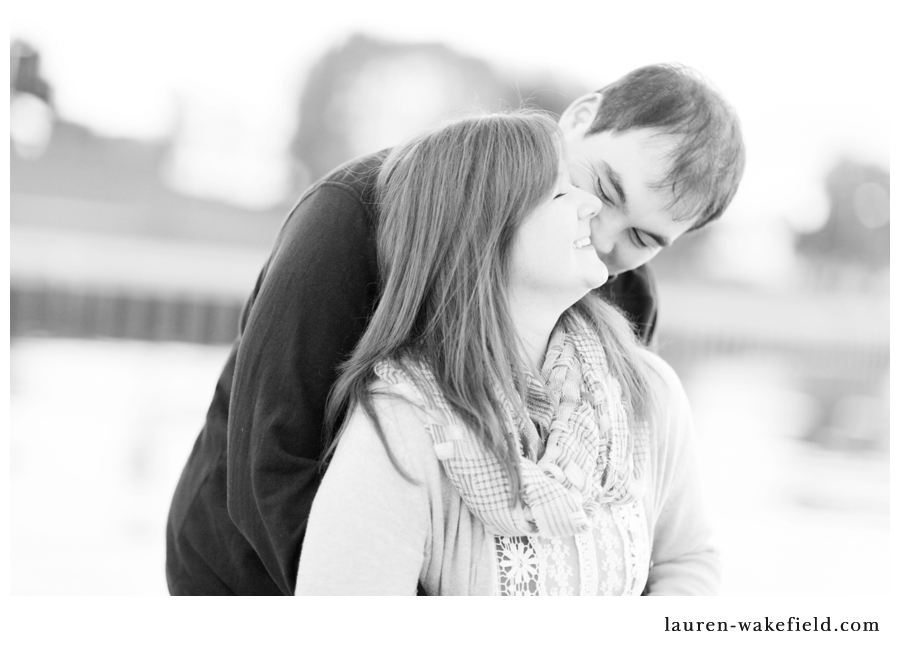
{"points": [[507, 435]]}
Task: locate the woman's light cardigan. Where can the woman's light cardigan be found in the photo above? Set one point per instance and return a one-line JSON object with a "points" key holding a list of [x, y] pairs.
{"points": [[371, 532]]}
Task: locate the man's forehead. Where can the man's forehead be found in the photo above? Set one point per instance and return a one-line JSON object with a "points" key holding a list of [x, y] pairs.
{"points": [[636, 155]]}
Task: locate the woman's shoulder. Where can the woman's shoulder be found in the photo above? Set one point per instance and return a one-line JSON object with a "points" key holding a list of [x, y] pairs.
{"points": [[403, 419], [673, 419], [413, 383], [665, 380], [400, 403]]}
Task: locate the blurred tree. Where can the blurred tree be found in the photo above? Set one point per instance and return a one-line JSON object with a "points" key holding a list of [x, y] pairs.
{"points": [[367, 94], [25, 71], [857, 230], [31, 114]]}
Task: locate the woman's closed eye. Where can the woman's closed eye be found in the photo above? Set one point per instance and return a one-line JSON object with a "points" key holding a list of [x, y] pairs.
{"points": [[601, 193]]}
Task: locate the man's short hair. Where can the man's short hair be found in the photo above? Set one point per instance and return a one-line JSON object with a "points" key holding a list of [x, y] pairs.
{"points": [[707, 160]]}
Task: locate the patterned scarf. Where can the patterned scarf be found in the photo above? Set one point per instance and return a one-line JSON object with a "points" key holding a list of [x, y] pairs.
{"points": [[576, 450]]}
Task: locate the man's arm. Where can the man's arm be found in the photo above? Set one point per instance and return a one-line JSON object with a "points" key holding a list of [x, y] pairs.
{"points": [[311, 307]]}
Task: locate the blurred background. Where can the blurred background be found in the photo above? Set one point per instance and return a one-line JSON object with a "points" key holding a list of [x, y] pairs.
{"points": [[155, 148]]}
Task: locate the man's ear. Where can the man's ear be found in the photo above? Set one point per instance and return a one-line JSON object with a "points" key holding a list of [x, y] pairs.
{"points": [[578, 117]]}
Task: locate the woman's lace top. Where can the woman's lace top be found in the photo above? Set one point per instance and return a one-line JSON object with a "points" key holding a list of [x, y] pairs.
{"points": [[611, 558]]}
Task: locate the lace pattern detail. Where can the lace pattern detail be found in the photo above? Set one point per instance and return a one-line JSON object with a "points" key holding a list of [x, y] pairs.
{"points": [[587, 563], [521, 566], [559, 571], [609, 546], [610, 558], [632, 525]]}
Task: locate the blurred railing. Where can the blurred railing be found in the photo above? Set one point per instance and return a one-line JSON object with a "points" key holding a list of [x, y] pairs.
{"points": [[66, 312], [831, 349], [832, 346], [85, 284]]}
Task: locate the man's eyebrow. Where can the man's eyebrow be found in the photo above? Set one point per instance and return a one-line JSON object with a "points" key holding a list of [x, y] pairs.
{"points": [[616, 180]]}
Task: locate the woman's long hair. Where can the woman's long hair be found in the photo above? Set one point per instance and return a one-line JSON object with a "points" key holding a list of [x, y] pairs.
{"points": [[451, 201]]}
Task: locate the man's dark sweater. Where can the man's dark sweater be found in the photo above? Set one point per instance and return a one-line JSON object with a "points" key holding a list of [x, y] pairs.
{"points": [[240, 509]]}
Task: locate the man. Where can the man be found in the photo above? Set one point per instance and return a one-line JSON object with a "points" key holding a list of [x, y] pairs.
{"points": [[661, 150]]}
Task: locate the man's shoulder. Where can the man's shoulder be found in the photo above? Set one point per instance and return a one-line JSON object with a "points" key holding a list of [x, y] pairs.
{"points": [[357, 177], [343, 197]]}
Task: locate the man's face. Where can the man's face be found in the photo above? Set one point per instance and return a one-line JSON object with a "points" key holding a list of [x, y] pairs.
{"points": [[635, 222]]}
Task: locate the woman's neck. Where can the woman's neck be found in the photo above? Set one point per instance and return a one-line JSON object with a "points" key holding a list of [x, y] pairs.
{"points": [[533, 323]]}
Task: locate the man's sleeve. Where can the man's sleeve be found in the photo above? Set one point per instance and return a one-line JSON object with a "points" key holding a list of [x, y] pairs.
{"points": [[634, 292], [311, 307]]}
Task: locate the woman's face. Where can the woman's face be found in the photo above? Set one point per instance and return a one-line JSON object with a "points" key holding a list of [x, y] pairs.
{"points": [[553, 260]]}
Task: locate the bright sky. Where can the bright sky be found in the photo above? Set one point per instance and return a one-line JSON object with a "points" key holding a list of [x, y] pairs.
{"points": [[809, 81]]}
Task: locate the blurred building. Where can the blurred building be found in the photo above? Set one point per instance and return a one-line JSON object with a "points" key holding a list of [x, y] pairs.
{"points": [[367, 94], [853, 247], [105, 244], [102, 245]]}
